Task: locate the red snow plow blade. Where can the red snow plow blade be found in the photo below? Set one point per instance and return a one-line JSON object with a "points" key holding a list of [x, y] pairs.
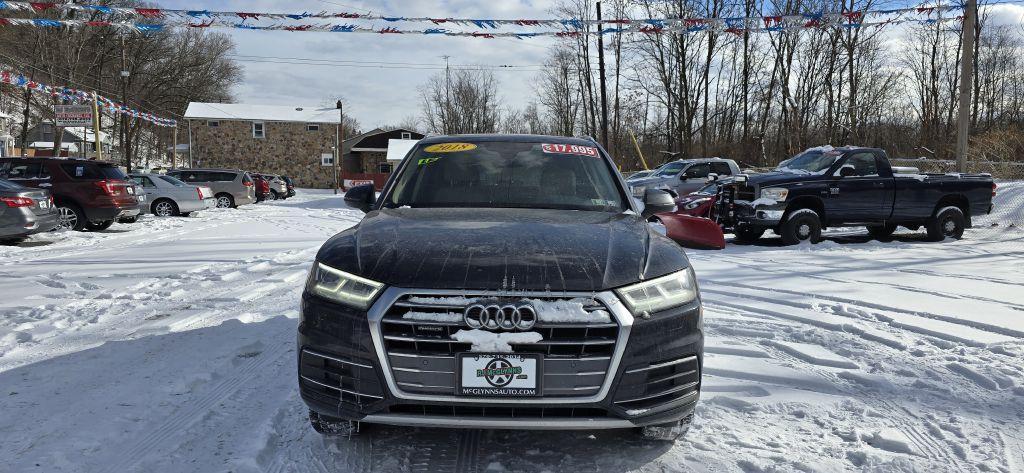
{"points": [[693, 232]]}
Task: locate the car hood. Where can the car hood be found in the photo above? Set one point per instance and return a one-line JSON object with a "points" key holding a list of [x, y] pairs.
{"points": [[650, 181], [503, 249], [781, 177]]}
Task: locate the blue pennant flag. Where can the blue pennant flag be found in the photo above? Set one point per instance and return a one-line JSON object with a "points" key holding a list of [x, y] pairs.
{"points": [[526, 35], [343, 28], [99, 8], [573, 23], [47, 23], [655, 22], [149, 28], [298, 17], [4, 5], [735, 22], [484, 23], [246, 26], [392, 18], [435, 31], [197, 13]]}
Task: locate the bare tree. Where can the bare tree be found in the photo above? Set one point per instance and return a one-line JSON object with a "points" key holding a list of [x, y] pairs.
{"points": [[461, 101]]}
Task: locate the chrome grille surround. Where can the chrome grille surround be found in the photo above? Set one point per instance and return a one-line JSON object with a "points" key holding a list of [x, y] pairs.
{"points": [[391, 295]]}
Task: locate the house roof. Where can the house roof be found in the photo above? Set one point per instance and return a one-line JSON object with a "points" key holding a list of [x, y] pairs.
{"points": [[270, 113], [90, 137]]}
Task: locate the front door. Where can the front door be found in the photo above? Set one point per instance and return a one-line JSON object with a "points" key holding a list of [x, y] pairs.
{"points": [[860, 195]]}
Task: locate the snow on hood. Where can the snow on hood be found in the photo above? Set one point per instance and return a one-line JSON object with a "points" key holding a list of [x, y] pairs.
{"points": [[483, 341]]}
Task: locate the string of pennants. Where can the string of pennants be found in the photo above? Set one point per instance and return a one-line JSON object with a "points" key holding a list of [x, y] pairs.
{"points": [[127, 13], [81, 96], [693, 25]]}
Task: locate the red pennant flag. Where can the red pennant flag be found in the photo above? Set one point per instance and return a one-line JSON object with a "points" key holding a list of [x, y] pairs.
{"points": [[389, 30], [5, 21], [347, 15], [567, 34], [694, 21], [527, 22], [651, 29], [734, 30], [770, 20], [201, 25], [298, 28], [438, 21], [149, 12], [42, 6], [254, 16], [853, 16], [812, 23]]}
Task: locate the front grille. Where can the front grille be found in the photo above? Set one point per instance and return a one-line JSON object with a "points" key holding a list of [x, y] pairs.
{"points": [[506, 412], [422, 354], [334, 379], [658, 386], [746, 192]]}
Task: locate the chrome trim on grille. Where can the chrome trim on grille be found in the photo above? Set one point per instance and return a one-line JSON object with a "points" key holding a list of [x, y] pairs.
{"points": [[662, 365], [339, 360], [546, 423], [659, 394], [336, 388], [391, 295]]}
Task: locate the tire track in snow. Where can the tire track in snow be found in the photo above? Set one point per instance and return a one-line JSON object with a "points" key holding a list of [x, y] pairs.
{"points": [[192, 412], [469, 446], [856, 302]]}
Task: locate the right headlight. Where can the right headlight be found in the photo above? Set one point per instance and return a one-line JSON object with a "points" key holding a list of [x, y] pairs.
{"points": [[342, 287], [662, 293], [777, 194]]}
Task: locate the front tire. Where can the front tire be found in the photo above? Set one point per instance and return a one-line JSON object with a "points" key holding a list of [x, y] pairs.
{"points": [[948, 222], [98, 226], [801, 225], [748, 234]]}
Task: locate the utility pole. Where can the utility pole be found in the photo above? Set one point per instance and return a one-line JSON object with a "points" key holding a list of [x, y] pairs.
{"points": [[604, 89], [966, 83], [338, 139], [446, 113], [96, 121], [124, 100]]}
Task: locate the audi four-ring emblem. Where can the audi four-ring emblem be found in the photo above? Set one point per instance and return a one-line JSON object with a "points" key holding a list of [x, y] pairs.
{"points": [[500, 316]]}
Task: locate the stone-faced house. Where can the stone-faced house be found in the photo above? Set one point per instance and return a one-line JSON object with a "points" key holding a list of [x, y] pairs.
{"points": [[298, 142]]}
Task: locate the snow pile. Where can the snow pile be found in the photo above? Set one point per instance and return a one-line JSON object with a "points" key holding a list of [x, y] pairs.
{"points": [[450, 317], [492, 342], [568, 311]]}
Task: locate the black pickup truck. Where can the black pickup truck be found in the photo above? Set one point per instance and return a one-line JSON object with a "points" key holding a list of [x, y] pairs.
{"points": [[849, 186]]}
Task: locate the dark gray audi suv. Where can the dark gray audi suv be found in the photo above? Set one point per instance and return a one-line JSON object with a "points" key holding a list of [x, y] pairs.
{"points": [[504, 282]]}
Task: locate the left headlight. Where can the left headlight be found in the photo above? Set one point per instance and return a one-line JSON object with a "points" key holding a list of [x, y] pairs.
{"points": [[695, 203], [661, 293], [777, 194], [342, 287]]}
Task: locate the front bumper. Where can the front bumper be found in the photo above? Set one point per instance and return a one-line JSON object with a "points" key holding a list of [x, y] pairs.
{"points": [[653, 377], [761, 215]]}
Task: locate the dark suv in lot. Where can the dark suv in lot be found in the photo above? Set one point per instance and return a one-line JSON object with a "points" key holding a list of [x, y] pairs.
{"points": [[502, 281], [88, 195]]}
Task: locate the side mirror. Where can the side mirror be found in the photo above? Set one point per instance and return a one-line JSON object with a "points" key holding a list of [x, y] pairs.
{"points": [[657, 201], [847, 170], [361, 197], [712, 177]]}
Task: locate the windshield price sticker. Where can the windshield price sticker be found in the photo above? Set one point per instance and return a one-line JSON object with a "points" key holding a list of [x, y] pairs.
{"points": [[558, 148], [449, 147]]}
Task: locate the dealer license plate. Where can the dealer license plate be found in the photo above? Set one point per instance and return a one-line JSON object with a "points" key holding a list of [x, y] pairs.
{"points": [[44, 204], [499, 374], [142, 198]]}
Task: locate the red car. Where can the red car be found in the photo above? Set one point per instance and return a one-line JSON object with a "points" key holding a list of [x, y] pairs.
{"points": [[698, 203], [262, 187]]}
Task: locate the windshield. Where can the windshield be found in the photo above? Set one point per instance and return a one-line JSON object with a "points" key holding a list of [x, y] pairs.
{"points": [[174, 182], [708, 189], [813, 161], [670, 169], [501, 174], [6, 185]]}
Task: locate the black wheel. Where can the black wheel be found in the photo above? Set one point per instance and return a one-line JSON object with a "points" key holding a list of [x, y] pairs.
{"points": [[274, 195], [948, 222], [225, 201], [748, 234], [70, 217], [332, 427], [99, 226], [801, 225], [881, 232], [165, 208], [669, 432]]}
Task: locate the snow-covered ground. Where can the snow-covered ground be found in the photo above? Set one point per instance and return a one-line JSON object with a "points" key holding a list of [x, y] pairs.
{"points": [[168, 346]]}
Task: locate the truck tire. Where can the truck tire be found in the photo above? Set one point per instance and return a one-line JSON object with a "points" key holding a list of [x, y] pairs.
{"points": [[748, 234], [948, 222], [801, 225], [881, 232]]}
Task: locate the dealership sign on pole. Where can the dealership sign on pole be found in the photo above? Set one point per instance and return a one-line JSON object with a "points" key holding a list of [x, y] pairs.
{"points": [[73, 115]]}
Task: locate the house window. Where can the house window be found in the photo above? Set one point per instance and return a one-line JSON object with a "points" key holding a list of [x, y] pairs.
{"points": [[327, 159], [212, 123], [384, 168], [406, 135], [312, 127], [257, 130]]}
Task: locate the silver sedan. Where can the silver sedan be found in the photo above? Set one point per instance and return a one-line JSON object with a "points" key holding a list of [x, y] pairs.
{"points": [[168, 196]]}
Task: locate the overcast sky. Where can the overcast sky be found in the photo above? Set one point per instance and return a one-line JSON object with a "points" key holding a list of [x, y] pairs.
{"points": [[386, 95]]}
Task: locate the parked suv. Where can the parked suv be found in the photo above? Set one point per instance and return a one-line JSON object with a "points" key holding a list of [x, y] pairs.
{"points": [[89, 195], [278, 187], [684, 176], [502, 282], [230, 187]]}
